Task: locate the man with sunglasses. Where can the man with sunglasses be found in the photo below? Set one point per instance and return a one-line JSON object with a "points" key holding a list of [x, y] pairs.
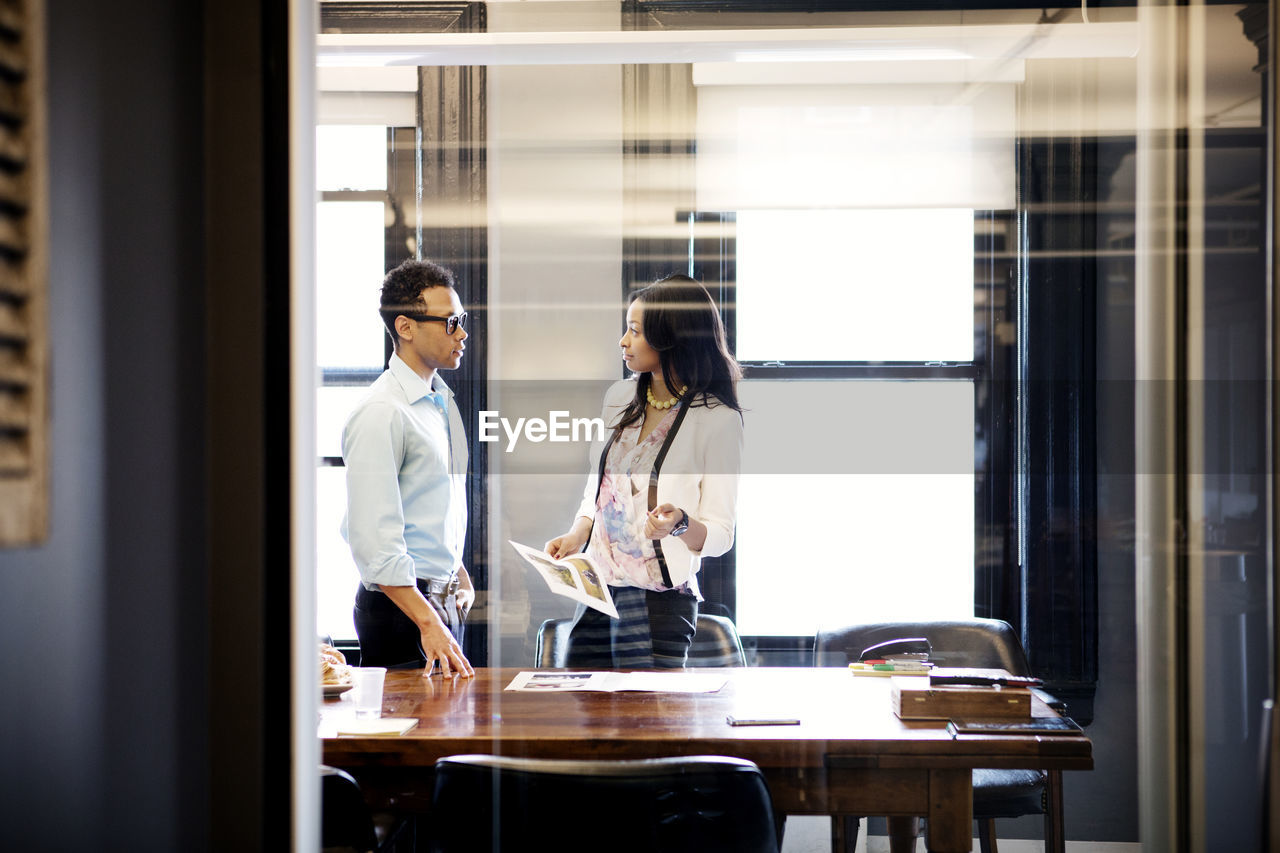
{"points": [[406, 459]]}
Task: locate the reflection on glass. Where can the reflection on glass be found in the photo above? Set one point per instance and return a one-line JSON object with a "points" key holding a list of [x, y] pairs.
{"points": [[899, 187], [941, 144]]}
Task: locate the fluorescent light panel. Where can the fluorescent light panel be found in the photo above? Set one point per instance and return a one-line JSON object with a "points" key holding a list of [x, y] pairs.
{"points": [[1003, 41]]}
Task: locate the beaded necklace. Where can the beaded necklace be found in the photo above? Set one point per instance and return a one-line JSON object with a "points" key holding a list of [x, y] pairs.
{"points": [[648, 393]]}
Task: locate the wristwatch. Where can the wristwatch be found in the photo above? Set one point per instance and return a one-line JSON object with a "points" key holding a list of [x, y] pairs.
{"points": [[682, 526]]}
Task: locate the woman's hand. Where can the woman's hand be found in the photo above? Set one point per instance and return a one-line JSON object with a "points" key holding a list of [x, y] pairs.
{"points": [[571, 542], [660, 521], [663, 519]]}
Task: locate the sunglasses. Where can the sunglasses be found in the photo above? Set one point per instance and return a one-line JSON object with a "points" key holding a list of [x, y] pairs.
{"points": [[451, 324]]}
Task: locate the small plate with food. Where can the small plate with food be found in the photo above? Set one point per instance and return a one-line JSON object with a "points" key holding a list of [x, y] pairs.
{"points": [[335, 675]]}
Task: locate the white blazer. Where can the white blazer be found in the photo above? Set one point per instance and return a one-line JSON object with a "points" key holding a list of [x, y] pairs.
{"points": [[699, 475]]}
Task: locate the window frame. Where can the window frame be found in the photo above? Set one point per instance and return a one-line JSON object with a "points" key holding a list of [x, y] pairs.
{"points": [[713, 262]]}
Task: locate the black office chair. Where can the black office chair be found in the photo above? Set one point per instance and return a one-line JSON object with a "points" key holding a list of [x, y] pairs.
{"points": [[983, 643], [715, 643], [687, 804], [347, 825], [551, 646]]}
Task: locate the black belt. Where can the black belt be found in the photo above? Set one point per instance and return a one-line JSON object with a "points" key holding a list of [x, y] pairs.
{"points": [[444, 588]]}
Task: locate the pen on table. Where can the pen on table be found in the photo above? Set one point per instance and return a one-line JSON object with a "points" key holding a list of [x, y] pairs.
{"points": [[761, 721]]}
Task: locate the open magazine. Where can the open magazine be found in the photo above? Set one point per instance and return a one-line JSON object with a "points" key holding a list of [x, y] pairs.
{"points": [[671, 681], [575, 577]]}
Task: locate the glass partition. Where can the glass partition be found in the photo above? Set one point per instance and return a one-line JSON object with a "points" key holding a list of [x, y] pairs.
{"points": [[928, 233]]}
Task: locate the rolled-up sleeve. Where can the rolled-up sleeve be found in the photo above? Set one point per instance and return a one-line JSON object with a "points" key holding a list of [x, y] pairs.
{"points": [[373, 449]]}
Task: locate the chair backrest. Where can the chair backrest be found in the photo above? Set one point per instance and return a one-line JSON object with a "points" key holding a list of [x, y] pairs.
{"points": [[688, 803], [551, 647], [345, 820], [715, 643], [984, 643]]}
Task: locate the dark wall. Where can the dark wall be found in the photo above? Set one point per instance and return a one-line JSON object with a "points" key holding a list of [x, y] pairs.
{"points": [[103, 721]]}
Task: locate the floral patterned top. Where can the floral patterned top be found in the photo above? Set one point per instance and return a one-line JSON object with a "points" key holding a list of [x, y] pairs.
{"points": [[618, 544]]}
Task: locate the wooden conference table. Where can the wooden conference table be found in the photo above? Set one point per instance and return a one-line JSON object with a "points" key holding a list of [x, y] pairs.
{"points": [[850, 754]]}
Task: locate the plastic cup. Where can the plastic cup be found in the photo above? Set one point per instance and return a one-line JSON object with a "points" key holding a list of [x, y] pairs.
{"points": [[367, 683]]}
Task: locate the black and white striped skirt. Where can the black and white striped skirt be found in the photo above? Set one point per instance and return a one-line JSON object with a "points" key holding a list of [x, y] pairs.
{"points": [[654, 631]]}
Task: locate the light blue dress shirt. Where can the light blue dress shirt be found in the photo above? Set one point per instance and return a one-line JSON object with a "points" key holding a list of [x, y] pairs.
{"points": [[406, 458]]}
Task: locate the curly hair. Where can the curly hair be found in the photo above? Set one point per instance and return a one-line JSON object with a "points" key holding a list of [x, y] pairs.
{"points": [[402, 290]]}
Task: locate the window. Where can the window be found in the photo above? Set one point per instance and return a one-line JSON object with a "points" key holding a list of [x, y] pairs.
{"points": [[351, 167], [862, 460], [877, 523], [868, 362], [857, 287]]}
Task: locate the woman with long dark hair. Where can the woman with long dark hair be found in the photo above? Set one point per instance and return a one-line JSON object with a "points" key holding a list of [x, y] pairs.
{"points": [[664, 492]]}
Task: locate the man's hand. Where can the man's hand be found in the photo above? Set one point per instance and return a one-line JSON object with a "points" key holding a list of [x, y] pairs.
{"points": [[466, 595], [438, 644]]}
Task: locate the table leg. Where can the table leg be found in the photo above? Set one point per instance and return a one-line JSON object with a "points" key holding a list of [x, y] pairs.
{"points": [[844, 833], [950, 827], [1054, 837], [903, 832]]}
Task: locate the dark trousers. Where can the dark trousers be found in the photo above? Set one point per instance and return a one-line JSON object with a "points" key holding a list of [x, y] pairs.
{"points": [[391, 639]]}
